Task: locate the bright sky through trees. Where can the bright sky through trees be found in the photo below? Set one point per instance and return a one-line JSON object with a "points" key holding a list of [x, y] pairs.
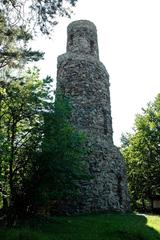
{"points": [[129, 47]]}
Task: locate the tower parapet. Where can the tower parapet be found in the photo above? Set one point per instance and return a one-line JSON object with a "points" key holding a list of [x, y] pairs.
{"points": [[82, 38]]}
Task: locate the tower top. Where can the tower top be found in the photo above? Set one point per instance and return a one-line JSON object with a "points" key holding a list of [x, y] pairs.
{"points": [[82, 38]]}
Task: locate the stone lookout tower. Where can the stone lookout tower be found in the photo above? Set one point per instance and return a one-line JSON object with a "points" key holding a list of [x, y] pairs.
{"points": [[84, 79]]}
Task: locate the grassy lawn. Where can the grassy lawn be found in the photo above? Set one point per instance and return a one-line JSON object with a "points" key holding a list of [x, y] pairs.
{"points": [[88, 227]]}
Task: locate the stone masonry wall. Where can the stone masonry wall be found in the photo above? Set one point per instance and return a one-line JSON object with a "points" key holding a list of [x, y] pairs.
{"points": [[84, 79]]}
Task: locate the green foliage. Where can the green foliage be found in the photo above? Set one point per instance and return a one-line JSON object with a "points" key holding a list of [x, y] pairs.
{"points": [[42, 154], [36, 136], [20, 130], [89, 227], [39, 13], [57, 169], [141, 151], [13, 45]]}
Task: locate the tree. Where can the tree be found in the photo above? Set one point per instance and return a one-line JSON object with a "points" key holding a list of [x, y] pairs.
{"points": [[20, 131], [60, 164], [19, 20], [36, 13], [25, 103], [13, 46], [141, 151], [42, 154]]}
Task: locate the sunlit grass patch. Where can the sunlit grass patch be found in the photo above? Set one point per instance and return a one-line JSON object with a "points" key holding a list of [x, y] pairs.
{"points": [[154, 222]]}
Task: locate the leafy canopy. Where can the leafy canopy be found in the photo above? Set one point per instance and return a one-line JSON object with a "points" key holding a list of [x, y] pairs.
{"points": [[36, 14], [141, 151], [43, 155]]}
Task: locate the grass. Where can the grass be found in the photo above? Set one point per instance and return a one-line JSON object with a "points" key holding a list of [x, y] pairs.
{"points": [[154, 222], [88, 227]]}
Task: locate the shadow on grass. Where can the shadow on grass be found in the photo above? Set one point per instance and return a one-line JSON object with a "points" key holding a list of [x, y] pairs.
{"points": [[86, 227]]}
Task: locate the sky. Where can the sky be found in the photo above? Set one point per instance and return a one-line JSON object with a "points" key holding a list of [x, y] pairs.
{"points": [[129, 47]]}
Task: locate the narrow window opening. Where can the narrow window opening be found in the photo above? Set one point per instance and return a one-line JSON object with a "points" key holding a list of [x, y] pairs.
{"points": [[71, 39], [92, 45], [105, 123]]}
